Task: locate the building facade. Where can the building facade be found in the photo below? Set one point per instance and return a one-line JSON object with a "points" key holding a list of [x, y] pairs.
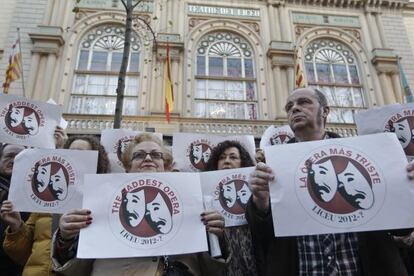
{"points": [[233, 62]]}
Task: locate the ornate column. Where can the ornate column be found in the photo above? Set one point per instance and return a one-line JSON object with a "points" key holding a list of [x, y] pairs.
{"points": [[396, 84], [47, 41], [386, 64], [372, 26], [282, 57]]}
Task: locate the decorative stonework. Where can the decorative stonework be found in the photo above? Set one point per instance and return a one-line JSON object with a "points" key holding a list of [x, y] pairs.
{"points": [[385, 61], [174, 43], [325, 20], [47, 40], [145, 6], [300, 29]]}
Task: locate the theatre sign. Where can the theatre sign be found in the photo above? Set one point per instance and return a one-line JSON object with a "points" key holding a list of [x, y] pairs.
{"points": [[223, 11]]}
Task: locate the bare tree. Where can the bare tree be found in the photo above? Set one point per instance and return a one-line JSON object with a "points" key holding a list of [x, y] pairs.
{"points": [[129, 6]]}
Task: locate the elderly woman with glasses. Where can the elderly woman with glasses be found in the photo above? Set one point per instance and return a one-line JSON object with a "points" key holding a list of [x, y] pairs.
{"points": [[145, 153]]}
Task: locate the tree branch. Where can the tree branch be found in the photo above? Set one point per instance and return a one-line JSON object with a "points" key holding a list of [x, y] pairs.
{"points": [[139, 2], [149, 28], [125, 5]]}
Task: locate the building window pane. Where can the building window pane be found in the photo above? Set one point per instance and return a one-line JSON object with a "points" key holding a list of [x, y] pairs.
{"points": [[216, 90], [83, 60], [200, 92], [134, 63], [340, 73], [310, 72], [234, 67], [324, 74], [235, 91], [116, 62], [217, 110], [248, 68], [201, 65], [80, 84], [215, 66], [99, 61], [354, 74], [252, 110], [200, 109], [132, 86]]}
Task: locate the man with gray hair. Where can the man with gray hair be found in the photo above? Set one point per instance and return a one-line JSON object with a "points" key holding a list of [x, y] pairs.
{"points": [[365, 253]]}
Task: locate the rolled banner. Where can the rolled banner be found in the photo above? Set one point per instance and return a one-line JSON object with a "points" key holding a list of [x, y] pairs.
{"points": [[213, 241]]}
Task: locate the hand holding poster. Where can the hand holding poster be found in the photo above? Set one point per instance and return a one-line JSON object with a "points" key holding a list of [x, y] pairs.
{"points": [[230, 192], [340, 185], [50, 181], [142, 215], [26, 122], [115, 141], [275, 136], [192, 151], [397, 118]]}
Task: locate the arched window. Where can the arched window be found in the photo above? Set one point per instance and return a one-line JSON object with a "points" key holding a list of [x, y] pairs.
{"points": [[333, 68], [96, 74], [225, 82]]}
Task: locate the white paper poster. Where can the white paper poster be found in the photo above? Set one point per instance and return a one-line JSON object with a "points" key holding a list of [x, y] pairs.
{"points": [[230, 192], [115, 141], [191, 151], [50, 181], [340, 185], [397, 118], [27, 122], [276, 135], [142, 215]]}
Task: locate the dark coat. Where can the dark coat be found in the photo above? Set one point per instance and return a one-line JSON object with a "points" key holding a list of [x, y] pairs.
{"points": [[378, 254]]}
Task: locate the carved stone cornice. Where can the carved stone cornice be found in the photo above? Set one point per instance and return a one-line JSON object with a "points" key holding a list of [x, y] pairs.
{"points": [[386, 4], [47, 39], [385, 61], [281, 53], [174, 43]]}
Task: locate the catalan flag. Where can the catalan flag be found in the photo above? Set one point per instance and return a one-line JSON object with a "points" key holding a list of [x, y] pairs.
{"points": [[14, 69], [299, 76], [168, 86], [407, 90]]}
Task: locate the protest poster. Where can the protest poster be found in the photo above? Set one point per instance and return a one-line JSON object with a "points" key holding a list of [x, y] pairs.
{"points": [[230, 192], [50, 181], [274, 135], [115, 141], [340, 185], [27, 122], [191, 151], [396, 118], [140, 214]]}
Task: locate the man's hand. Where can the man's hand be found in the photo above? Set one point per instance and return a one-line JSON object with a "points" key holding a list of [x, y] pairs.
{"points": [[10, 217], [72, 222], [60, 137], [259, 185]]}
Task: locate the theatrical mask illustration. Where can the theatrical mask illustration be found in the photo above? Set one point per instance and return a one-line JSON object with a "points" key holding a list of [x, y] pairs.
{"points": [[234, 196], [334, 178], [50, 181], [146, 212], [404, 129], [22, 120], [200, 154]]}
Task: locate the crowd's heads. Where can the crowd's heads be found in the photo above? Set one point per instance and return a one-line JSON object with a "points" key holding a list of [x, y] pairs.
{"points": [[89, 142], [146, 152], [307, 108], [220, 150], [7, 154]]}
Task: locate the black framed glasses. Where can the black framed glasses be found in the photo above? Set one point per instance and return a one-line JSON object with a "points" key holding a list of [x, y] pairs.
{"points": [[141, 155]]}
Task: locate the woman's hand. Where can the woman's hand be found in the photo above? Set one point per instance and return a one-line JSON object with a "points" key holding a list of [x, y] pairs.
{"points": [[214, 222], [10, 217], [72, 222]]}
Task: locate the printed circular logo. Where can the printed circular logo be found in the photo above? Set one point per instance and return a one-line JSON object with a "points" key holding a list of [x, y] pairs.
{"points": [[280, 138], [199, 153], [22, 119], [120, 147], [232, 194], [402, 124], [145, 213], [49, 181], [340, 187]]}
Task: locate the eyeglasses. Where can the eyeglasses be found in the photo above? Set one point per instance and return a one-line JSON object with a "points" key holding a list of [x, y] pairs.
{"points": [[141, 155]]}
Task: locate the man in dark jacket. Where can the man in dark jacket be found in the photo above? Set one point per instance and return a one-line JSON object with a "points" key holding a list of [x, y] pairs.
{"points": [[7, 154], [366, 253]]}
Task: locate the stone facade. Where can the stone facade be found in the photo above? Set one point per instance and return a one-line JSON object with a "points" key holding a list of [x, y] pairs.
{"points": [[276, 31]]}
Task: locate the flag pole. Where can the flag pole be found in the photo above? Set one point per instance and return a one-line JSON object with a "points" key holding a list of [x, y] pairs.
{"points": [[21, 55]]}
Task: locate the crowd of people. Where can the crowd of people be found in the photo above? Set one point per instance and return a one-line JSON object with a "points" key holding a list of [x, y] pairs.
{"points": [[46, 244]]}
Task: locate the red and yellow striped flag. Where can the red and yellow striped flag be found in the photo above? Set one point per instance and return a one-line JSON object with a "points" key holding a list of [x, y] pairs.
{"points": [[14, 69], [299, 76], [169, 92]]}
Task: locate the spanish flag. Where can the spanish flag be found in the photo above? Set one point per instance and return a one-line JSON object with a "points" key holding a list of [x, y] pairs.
{"points": [[299, 76], [168, 86], [14, 69]]}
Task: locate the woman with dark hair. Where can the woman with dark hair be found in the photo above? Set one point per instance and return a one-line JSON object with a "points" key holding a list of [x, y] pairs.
{"points": [[89, 142], [232, 155], [146, 153]]}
